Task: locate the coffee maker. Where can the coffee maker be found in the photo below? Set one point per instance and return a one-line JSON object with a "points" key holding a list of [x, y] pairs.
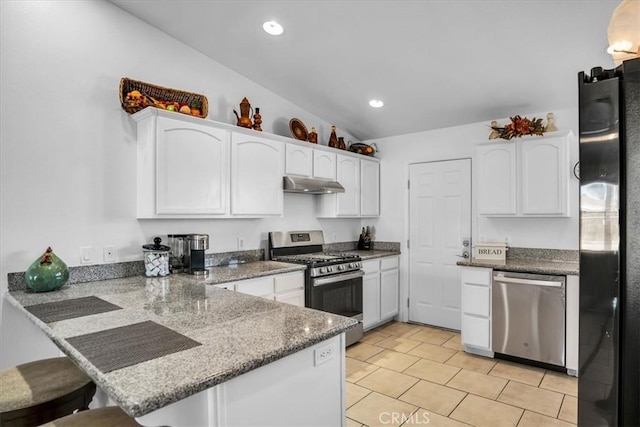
{"points": [[187, 253]]}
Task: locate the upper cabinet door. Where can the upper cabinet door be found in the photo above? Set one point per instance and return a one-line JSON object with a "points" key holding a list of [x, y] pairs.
{"points": [[496, 179], [324, 165], [299, 160], [348, 174], [192, 171], [370, 188], [257, 168], [545, 175]]}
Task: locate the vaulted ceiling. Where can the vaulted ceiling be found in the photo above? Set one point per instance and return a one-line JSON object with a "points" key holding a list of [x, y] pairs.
{"points": [[434, 63]]}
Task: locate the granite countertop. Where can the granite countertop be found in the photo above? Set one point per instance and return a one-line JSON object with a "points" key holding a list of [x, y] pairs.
{"points": [[371, 254], [528, 266], [237, 332], [233, 272]]}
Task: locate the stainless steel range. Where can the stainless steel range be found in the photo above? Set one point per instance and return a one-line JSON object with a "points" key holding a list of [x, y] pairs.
{"points": [[333, 281]]}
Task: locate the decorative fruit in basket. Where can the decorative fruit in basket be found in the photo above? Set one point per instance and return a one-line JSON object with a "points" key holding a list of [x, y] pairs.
{"points": [[196, 107], [361, 148], [136, 98]]}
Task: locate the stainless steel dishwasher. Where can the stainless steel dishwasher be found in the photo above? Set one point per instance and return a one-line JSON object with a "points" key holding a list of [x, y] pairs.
{"points": [[528, 316]]}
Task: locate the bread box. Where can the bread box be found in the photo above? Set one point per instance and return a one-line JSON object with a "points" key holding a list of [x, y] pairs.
{"points": [[492, 251]]}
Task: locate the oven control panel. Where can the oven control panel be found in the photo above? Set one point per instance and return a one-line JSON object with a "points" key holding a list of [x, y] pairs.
{"points": [[336, 268]]}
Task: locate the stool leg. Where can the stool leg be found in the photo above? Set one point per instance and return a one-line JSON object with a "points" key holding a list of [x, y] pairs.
{"points": [[88, 397]]}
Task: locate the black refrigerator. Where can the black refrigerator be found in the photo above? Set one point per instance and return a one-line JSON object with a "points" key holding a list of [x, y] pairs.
{"points": [[609, 349]]}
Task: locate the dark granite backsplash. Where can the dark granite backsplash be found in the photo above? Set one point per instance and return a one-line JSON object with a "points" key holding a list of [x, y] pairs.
{"points": [[349, 246], [118, 270], [565, 255]]}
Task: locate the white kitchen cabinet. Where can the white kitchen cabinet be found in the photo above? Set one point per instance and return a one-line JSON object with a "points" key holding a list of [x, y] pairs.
{"points": [[259, 287], [257, 168], [496, 164], [299, 160], [324, 165], [572, 324], [183, 167], [287, 287], [310, 162], [370, 188], [476, 310], [389, 293], [361, 181], [380, 289], [370, 294], [348, 174], [525, 177], [543, 167]]}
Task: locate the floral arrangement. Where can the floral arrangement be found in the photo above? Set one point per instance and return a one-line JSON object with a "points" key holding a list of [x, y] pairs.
{"points": [[518, 127]]}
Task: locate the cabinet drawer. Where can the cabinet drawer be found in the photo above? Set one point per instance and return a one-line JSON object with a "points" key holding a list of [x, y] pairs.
{"points": [[476, 299], [478, 276], [288, 282], [388, 263], [293, 298], [476, 332], [258, 287], [371, 266]]}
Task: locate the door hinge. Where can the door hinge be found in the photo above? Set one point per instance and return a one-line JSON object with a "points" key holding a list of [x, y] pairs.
{"points": [[408, 299], [407, 243], [408, 185]]}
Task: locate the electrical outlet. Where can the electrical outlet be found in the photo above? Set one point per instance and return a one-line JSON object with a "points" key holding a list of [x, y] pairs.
{"points": [[324, 354], [86, 254], [240, 243], [109, 253]]}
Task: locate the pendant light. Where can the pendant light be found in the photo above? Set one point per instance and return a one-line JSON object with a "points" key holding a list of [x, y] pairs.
{"points": [[624, 31]]}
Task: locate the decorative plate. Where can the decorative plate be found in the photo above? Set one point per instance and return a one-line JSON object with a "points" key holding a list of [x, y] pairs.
{"points": [[298, 129]]}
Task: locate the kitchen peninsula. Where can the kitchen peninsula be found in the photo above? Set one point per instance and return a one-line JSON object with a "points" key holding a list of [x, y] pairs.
{"points": [[216, 352]]}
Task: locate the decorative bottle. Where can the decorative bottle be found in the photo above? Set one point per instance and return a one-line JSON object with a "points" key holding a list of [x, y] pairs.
{"points": [[333, 138], [313, 136], [257, 120]]}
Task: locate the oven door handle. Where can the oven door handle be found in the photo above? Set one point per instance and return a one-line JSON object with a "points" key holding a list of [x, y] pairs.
{"points": [[337, 278]]}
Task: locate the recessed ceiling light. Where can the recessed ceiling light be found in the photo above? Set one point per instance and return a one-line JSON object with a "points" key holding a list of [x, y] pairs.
{"points": [[376, 103], [273, 28]]}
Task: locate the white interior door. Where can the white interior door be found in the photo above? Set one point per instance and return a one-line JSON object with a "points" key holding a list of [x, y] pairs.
{"points": [[439, 222]]}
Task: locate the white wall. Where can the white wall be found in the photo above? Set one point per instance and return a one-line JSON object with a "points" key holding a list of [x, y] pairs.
{"points": [[68, 149], [458, 142]]}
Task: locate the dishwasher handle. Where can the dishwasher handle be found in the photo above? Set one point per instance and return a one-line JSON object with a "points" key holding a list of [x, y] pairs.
{"points": [[535, 282]]}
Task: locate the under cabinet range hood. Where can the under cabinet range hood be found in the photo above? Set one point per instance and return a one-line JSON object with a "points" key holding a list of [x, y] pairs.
{"points": [[296, 184]]}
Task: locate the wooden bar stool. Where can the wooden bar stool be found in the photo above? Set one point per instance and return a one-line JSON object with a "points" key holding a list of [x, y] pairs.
{"points": [[38, 392], [111, 416]]}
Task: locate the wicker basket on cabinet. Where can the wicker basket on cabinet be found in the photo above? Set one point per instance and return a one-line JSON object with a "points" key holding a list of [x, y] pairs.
{"points": [[155, 96]]}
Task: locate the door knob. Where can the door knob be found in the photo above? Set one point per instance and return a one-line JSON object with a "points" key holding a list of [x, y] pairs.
{"points": [[464, 255]]}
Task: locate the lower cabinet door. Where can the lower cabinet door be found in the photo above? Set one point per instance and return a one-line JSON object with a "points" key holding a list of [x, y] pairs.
{"points": [[476, 331], [389, 289], [370, 300], [293, 298]]}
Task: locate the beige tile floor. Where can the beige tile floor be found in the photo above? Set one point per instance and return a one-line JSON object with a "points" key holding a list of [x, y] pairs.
{"points": [[412, 375]]}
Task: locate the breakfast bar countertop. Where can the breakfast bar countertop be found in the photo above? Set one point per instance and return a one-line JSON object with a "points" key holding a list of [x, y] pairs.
{"points": [[226, 333]]}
